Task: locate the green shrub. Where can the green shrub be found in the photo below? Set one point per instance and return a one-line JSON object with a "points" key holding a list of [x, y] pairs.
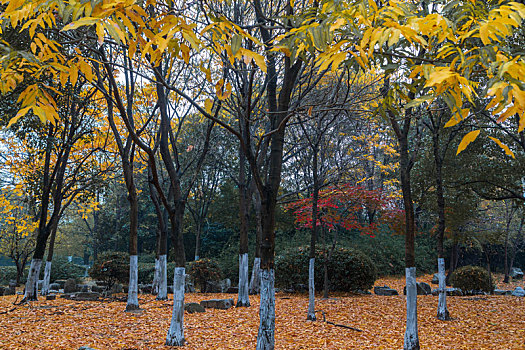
{"points": [[203, 270], [111, 267], [62, 269], [146, 272], [387, 251], [147, 258], [7, 273], [469, 278], [348, 269]]}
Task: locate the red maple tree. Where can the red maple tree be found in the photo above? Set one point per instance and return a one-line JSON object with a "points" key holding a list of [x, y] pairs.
{"points": [[349, 207]]}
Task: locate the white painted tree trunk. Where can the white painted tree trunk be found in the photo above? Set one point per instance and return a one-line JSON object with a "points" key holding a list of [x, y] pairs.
{"points": [[32, 280], [133, 286], [311, 291], [155, 284], [176, 332], [162, 279], [266, 335], [197, 257], [47, 278], [243, 299], [255, 281], [411, 334], [442, 312]]}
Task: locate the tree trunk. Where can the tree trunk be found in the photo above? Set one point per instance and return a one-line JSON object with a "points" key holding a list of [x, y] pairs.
{"points": [[198, 241], [411, 334], [311, 291], [411, 331], [163, 278], [175, 335], [133, 301], [47, 269], [255, 280], [442, 312], [160, 283], [31, 291], [19, 272], [155, 284], [176, 331], [46, 280], [31, 287], [266, 335], [133, 286], [506, 261], [243, 299], [162, 291], [506, 256], [310, 315]]}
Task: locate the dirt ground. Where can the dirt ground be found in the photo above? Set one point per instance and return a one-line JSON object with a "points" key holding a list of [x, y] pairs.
{"points": [[481, 322]]}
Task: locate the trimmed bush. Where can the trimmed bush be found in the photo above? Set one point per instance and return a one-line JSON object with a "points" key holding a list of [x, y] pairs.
{"points": [[203, 270], [348, 269], [469, 278], [146, 272], [111, 267], [7, 273], [387, 251], [62, 269]]}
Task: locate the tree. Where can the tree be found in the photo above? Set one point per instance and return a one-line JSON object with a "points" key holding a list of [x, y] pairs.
{"points": [[17, 240], [394, 31], [344, 207]]}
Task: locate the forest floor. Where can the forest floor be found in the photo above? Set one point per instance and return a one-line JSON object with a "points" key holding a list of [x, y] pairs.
{"points": [[481, 322]]}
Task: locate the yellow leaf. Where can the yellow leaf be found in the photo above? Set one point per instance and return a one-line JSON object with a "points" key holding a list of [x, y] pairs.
{"points": [[100, 33], [437, 77], [484, 33], [73, 74], [185, 51], [467, 139], [20, 114], [503, 146], [337, 59], [208, 105], [86, 21], [249, 55]]}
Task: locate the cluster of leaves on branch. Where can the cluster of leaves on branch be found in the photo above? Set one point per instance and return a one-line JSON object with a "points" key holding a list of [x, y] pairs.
{"points": [[349, 207], [458, 51]]}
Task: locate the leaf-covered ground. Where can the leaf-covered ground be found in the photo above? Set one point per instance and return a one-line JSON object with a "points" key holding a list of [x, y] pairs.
{"points": [[483, 322]]}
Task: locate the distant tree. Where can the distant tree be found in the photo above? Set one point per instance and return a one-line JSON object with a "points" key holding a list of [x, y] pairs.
{"points": [[17, 231], [345, 207]]}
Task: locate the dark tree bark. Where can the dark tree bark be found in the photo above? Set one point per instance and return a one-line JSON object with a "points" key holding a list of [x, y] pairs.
{"points": [[406, 162], [435, 125], [311, 274], [243, 299]]}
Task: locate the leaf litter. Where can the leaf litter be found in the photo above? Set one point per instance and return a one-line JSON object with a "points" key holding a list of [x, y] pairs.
{"points": [[488, 322]]}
